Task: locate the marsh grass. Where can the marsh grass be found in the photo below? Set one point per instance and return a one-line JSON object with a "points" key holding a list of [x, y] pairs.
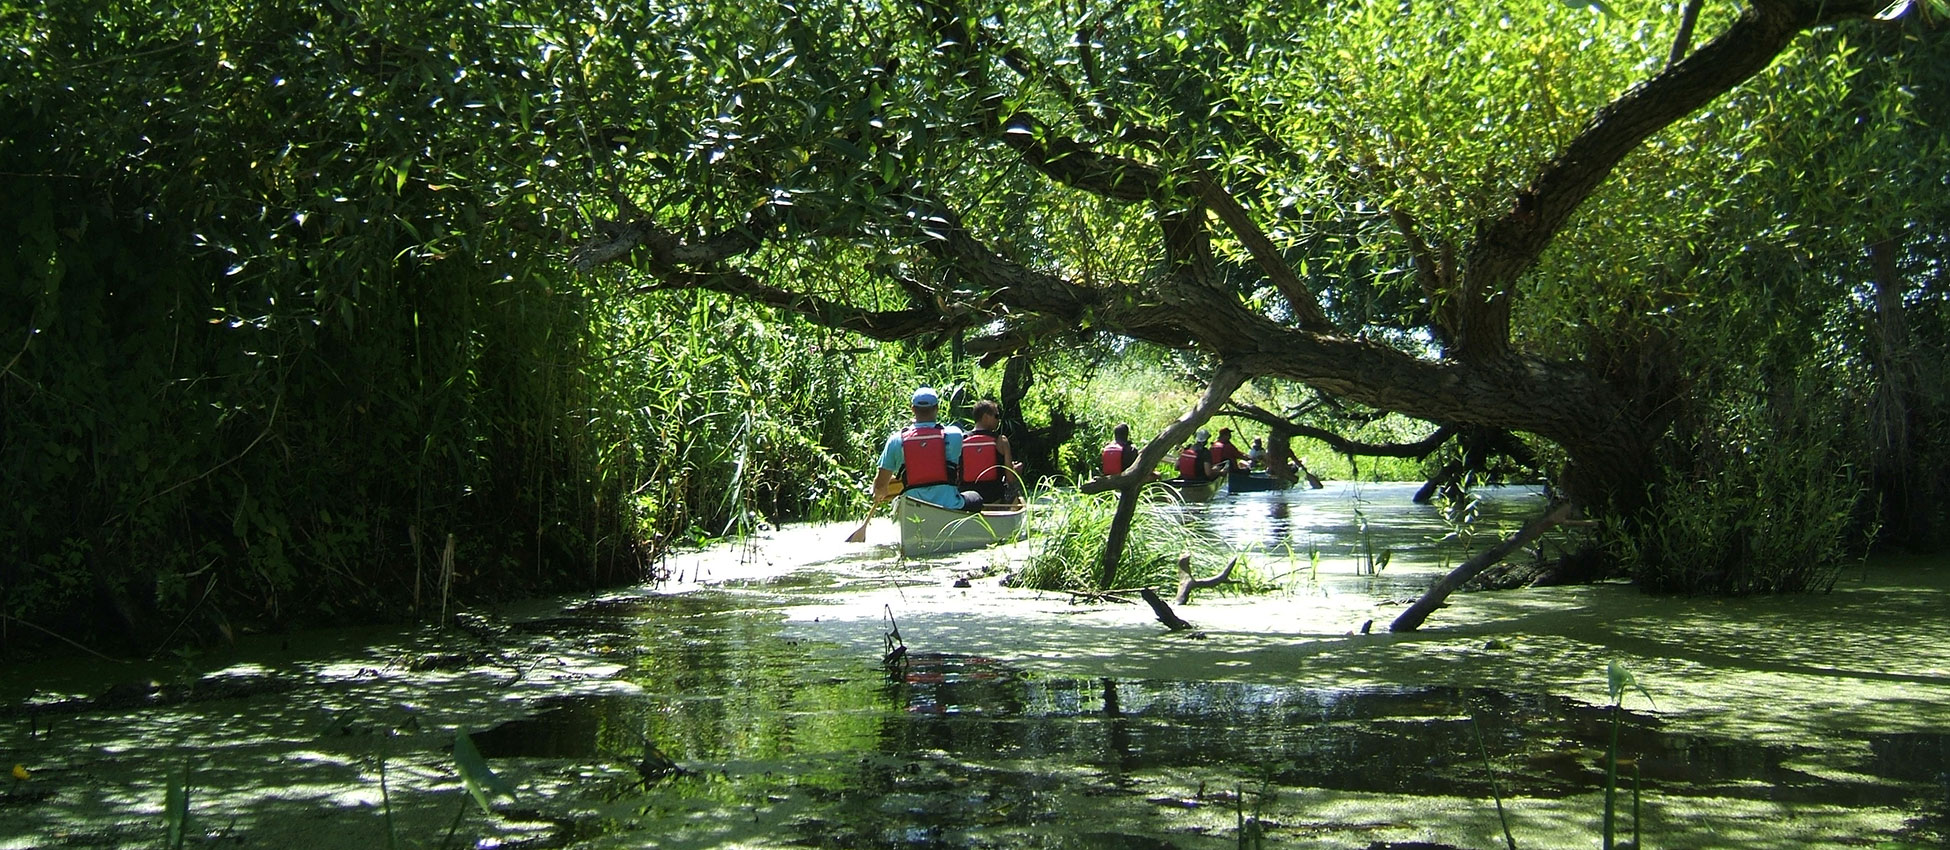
{"points": [[1069, 530]]}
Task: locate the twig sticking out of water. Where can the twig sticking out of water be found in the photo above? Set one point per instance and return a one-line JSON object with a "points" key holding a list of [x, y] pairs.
{"points": [[896, 656], [1187, 584], [1496, 788]]}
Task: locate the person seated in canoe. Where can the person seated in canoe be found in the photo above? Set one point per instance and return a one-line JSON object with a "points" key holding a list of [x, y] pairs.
{"points": [[1118, 454], [1195, 461], [920, 460], [988, 466], [1256, 456], [1225, 455]]}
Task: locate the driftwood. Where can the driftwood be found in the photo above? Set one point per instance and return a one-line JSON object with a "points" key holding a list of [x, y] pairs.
{"points": [[1165, 615], [1187, 584], [1411, 619]]}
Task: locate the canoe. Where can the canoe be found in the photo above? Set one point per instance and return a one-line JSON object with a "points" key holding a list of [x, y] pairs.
{"points": [[1242, 481], [1195, 491], [932, 530]]}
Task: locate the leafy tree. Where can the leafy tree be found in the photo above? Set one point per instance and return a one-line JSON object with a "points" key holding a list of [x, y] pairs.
{"points": [[283, 318], [1521, 217]]}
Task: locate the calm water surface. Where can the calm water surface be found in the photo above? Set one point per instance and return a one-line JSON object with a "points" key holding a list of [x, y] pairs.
{"points": [[752, 705]]}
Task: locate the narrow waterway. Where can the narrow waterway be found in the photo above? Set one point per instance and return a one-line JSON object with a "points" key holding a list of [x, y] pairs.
{"points": [[747, 703]]}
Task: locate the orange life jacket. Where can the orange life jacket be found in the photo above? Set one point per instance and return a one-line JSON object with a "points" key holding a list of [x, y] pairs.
{"points": [[980, 459], [1117, 457], [924, 455]]}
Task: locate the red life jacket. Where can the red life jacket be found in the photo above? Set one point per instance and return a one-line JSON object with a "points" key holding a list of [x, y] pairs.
{"points": [[924, 455], [1188, 465], [1117, 457], [979, 457]]}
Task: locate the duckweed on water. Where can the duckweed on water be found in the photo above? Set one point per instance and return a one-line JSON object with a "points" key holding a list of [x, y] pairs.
{"points": [[740, 711]]}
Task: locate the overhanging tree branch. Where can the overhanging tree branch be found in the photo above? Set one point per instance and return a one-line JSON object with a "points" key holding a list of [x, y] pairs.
{"points": [[884, 325], [1510, 244]]}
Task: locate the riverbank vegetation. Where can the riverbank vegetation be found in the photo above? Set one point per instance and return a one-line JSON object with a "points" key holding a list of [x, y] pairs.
{"points": [[352, 310]]}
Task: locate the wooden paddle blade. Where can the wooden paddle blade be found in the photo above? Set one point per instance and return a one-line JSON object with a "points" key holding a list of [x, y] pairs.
{"points": [[859, 535]]}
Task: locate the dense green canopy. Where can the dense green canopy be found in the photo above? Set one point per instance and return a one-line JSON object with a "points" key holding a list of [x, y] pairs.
{"points": [[289, 291], [1682, 258]]}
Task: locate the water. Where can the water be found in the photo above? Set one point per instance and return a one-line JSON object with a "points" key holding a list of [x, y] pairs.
{"points": [[749, 706]]}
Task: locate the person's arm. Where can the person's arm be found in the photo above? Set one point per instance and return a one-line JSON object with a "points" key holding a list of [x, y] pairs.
{"points": [[885, 485]]}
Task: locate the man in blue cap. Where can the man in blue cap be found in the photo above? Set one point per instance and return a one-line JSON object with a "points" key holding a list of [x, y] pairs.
{"points": [[924, 457]]}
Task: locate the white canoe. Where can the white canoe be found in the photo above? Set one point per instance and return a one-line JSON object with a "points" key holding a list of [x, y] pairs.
{"points": [[931, 530], [1195, 491]]}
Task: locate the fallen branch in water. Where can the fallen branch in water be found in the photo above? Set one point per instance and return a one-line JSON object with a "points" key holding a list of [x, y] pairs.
{"points": [[1172, 621], [61, 638], [1118, 595], [1411, 619]]}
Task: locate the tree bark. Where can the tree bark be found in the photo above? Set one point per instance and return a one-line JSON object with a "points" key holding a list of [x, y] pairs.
{"points": [[1120, 531], [1893, 409]]}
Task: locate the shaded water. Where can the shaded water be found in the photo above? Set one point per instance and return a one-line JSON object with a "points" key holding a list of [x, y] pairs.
{"points": [[750, 707]]}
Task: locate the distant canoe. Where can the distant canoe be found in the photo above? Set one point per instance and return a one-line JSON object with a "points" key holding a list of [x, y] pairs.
{"points": [[1195, 491], [933, 530], [1242, 481]]}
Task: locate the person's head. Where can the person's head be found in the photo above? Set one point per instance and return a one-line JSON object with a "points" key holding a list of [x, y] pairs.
{"points": [[987, 414], [1259, 443], [1203, 437], [1225, 435], [926, 404], [1121, 433]]}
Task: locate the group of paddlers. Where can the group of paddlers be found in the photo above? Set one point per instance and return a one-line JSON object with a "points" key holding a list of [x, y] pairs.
{"points": [[943, 465], [1203, 459]]}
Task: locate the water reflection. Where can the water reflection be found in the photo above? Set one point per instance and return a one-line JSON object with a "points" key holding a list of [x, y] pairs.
{"points": [[945, 748], [1349, 519]]}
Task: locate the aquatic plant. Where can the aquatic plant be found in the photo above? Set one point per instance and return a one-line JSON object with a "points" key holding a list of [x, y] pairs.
{"points": [[1496, 787], [1372, 562], [176, 808], [1069, 529], [481, 782], [1618, 679]]}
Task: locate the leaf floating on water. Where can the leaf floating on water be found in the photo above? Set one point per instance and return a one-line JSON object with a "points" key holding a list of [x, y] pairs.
{"points": [[476, 776]]}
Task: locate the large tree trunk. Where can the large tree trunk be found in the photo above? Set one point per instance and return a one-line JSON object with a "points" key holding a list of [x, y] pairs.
{"points": [[1892, 413]]}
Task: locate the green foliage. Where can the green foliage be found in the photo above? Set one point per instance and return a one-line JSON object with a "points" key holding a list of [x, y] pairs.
{"points": [[1751, 512], [283, 311], [481, 782], [176, 809], [1617, 680]]}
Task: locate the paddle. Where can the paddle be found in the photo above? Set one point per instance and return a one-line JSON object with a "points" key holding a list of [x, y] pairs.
{"points": [[859, 535]]}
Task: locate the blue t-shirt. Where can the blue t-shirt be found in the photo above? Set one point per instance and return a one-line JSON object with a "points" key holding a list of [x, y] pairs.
{"points": [[945, 495]]}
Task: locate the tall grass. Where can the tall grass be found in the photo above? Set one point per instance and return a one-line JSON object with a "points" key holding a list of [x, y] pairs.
{"points": [[1070, 529]]}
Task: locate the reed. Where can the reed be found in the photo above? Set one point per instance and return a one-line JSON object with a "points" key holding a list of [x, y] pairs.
{"points": [[1618, 681]]}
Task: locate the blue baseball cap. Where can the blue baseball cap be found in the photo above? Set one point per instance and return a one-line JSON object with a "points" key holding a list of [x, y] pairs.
{"points": [[926, 397]]}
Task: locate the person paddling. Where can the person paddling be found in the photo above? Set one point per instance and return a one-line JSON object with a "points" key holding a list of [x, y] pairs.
{"points": [[1195, 460], [1225, 455], [921, 459]]}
